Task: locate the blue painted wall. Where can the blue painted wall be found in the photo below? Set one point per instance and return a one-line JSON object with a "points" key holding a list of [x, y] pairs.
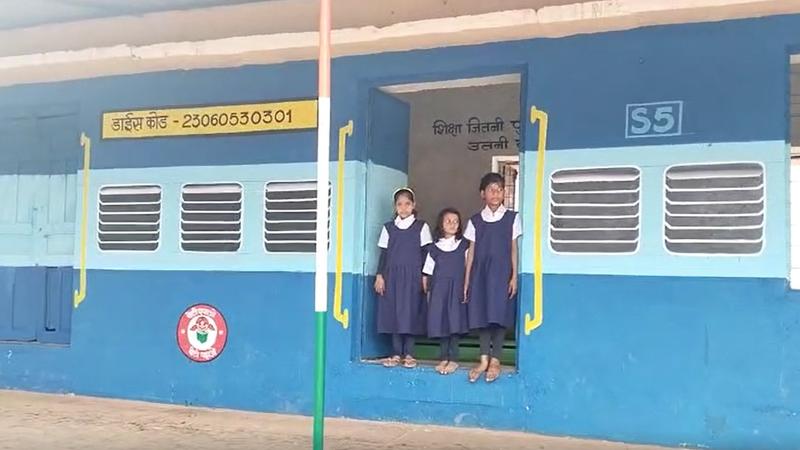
{"points": [[703, 357], [36, 304]]}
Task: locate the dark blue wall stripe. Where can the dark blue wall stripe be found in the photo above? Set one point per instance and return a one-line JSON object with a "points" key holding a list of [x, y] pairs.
{"points": [[43, 142], [731, 76]]}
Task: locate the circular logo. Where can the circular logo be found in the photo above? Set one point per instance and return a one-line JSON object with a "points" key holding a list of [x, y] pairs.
{"points": [[202, 333]]}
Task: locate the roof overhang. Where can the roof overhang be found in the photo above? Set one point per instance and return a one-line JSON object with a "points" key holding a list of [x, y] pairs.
{"points": [[493, 26]]}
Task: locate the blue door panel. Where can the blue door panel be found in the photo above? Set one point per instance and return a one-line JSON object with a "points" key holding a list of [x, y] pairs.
{"points": [[22, 310], [389, 123], [55, 324], [40, 155], [7, 275]]}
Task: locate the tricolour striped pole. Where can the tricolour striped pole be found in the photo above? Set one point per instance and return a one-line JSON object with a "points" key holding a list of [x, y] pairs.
{"points": [[323, 176]]}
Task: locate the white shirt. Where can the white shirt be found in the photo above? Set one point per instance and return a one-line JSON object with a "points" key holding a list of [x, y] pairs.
{"points": [[493, 216], [424, 234], [445, 245]]}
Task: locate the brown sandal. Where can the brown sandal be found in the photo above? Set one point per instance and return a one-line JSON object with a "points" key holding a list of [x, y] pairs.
{"points": [[409, 362], [476, 371], [391, 361], [494, 370]]}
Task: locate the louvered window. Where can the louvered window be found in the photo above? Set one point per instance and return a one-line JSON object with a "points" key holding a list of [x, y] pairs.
{"points": [[714, 208], [129, 218], [211, 217], [595, 210], [290, 216]]}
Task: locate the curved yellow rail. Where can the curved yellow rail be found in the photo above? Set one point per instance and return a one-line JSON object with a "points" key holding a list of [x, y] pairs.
{"points": [[535, 322], [341, 315], [80, 294]]}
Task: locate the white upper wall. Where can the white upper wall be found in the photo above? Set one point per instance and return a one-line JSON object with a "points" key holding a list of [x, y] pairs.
{"points": [[28, 13], [283, 30], [238, 18]]}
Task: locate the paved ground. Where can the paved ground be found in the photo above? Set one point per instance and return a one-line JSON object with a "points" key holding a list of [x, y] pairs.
{"points": [[61, 422]]}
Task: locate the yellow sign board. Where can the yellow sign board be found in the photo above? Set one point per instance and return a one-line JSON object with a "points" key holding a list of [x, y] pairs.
{"points": [[221, 119]]}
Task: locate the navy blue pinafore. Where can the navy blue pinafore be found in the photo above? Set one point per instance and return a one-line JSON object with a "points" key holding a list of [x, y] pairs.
{"points": [[402, 308], [447, 313], [491, 271]]}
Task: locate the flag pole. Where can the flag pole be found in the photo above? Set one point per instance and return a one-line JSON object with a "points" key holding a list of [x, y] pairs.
{"points": [[323, 179]]}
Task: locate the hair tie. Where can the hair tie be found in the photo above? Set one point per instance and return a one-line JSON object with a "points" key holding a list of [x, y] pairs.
{"points": [[404, 189]]}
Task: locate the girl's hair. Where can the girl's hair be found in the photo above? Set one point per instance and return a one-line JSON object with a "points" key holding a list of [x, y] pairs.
{"points": [[438, 233], [405, 192], [491, 178]]}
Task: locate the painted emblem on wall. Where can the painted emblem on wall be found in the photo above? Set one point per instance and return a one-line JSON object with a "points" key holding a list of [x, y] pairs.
{"points": [[202, 333]]}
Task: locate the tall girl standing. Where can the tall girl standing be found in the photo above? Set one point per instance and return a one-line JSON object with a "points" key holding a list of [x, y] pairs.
{"points": [[492, 274]]}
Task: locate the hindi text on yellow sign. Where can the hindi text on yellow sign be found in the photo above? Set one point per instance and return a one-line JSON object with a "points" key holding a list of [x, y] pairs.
{"points": [[222, 119]]}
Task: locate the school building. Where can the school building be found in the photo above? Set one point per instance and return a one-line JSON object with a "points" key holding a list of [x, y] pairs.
{"points": [[158, 186]]}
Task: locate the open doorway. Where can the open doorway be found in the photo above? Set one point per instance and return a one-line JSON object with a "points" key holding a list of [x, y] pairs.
{"points": [[460, 130], [457, 131]]}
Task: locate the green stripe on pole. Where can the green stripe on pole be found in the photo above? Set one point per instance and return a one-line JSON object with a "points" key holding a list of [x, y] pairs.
{"points": [[319, 382]]}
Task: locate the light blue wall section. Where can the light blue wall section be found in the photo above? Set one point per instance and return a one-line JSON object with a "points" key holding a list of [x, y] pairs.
{"points": [[37, 219], [382, 181], [251, 256], [652, 258]]}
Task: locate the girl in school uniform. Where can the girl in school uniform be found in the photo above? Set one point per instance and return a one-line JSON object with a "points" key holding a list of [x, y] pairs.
{"points": [[401, 302], [491, 274], [447, 309]]}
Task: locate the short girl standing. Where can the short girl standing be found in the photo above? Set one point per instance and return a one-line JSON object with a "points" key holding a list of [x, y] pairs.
{"points": [[447, 309]]}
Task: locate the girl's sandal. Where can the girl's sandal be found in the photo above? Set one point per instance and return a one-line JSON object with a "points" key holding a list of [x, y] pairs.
{"points": [[409, 362], [441, 367], [494, 370], [476, 371], [451, 367], [391, 361]]}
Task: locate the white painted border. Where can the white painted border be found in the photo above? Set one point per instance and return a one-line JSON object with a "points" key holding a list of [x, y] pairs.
{"points": [[496, 160], [794, 272], [603, 254], [264, 216], [643, 136], [713, 255], [160, 219], [180, 218], [511, 78]]}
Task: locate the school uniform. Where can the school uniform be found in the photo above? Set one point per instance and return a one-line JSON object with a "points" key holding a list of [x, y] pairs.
{"points": [[447, 313], [493, 233], [402, 309]]}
